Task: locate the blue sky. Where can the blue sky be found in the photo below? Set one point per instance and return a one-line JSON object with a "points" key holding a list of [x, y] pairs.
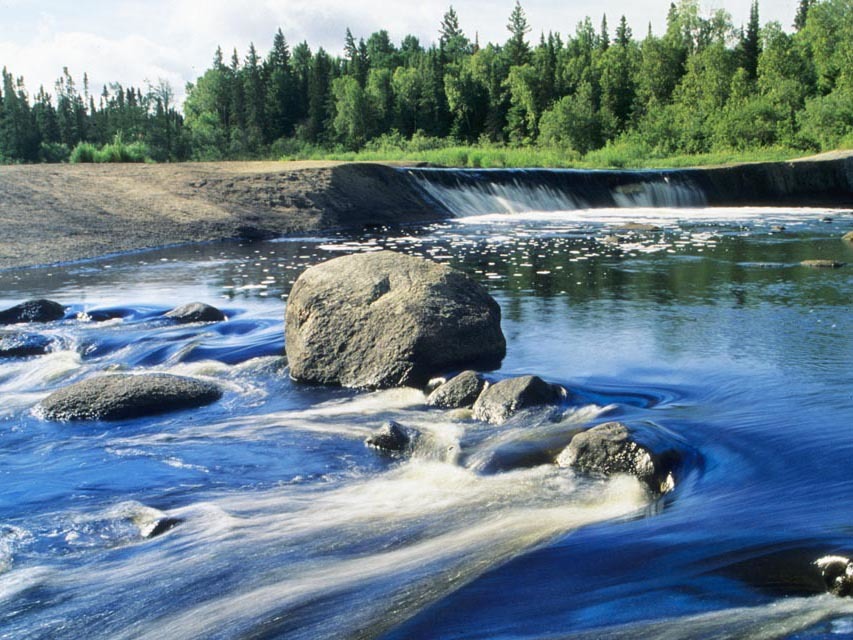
{"points": [[134, 40]]}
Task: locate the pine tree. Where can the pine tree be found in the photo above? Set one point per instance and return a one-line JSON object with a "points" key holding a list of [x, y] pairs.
{"points": [[451, 38], [517, 49], [802, 13], [255, 98], [280, 91], [750, 45], [604, 35]]}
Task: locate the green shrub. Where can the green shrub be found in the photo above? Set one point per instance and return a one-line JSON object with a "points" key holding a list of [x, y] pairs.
{"points": [[83, 152]]}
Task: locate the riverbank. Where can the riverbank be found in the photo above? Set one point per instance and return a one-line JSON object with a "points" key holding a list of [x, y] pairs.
{"points": [[60, 213]]}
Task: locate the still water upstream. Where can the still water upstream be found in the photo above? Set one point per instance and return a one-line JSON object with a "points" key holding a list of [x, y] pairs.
{"points": [[708, 330]]}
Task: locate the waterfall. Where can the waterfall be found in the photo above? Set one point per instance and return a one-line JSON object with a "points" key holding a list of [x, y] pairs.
{"points": [[476, 192]]}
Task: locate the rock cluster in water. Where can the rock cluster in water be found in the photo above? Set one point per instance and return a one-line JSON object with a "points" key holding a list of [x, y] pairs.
{"points": [[385, 319], [125, 396], [24, 345]]}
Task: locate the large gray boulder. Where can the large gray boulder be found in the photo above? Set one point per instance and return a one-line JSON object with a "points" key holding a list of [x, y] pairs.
{"points": [[195, 312], [461, 391], [33, 311], [611, 448], [500, 401], [124, 396], [384, 319]]}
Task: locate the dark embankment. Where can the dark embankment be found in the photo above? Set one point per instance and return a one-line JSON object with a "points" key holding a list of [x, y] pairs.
{"points": [[59, 213], [821, 181]]}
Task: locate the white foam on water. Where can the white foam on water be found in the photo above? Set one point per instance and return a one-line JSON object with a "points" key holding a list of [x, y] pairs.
{"points": [[775, 621]]}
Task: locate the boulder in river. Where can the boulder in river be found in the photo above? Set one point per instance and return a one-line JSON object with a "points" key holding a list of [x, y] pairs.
{"points": [[125, 396], [392, 438], [459, 392], [33, 311], [498, 402], [195, 312], [24, 345], [837, 573], [384, 319], [611, 448]]}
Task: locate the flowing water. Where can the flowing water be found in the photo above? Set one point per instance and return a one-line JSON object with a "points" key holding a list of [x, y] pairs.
{"points": [[707, 331]]}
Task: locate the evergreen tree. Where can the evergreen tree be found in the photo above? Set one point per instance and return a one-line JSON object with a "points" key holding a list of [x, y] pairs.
{"points": [[451, 38], [517, 49], [750, 45], [802, 13], [280, 91]]}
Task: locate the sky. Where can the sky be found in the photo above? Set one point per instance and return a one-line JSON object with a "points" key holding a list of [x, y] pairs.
{"points": [[141, 41]]}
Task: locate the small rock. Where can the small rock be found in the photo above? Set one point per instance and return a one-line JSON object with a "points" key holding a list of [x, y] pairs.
{"points": [[33, 311], [460, 392], [778, 228], [124, 396], [837, 573], [638, 227], [159, 527], [822, 264], [848, 237], [24, 345], [827, 219], [505, 398], [392, 437], [610, 448], [195, 312]]}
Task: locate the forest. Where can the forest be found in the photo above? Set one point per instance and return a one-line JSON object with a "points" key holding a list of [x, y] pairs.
{"points": [[704, 85]]}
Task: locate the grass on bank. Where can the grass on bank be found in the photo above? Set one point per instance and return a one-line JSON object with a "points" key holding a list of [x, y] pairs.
{"points": [[494, 158], [618, 155]]}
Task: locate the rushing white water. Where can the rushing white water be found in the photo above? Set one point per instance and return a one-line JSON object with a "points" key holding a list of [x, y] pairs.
{"points": [[520, 195]]}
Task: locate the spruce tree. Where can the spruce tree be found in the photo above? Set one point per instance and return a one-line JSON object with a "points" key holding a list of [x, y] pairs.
{"points": [[517, 49]]}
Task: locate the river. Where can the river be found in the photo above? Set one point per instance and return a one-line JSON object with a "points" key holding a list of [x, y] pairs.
{"points": [[705, 327]]}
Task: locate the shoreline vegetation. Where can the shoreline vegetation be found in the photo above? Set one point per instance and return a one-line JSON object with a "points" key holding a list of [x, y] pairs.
{"points": [[706, 91]]}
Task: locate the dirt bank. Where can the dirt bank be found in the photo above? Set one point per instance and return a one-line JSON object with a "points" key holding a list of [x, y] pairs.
{"points": [[52, 213]]}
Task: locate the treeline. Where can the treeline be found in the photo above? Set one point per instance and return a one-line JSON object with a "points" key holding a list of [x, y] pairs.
{"points": [[702, 86], [121, 124]]}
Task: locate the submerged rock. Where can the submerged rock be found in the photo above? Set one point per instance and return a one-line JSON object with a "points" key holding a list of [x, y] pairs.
{"points": [[384, 319], [24, 345], [822, 264], [638, 227], [459, 392], [611, 448], [124, 396], [837, 573], [498, 402], [33, 311], [393, 438], [195, 312]]}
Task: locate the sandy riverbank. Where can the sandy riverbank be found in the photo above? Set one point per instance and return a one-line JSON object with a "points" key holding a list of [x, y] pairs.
{"points": [[53, 213]]}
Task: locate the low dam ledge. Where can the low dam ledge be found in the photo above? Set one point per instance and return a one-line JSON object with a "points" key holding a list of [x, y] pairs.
{"points": [[61, 213]]}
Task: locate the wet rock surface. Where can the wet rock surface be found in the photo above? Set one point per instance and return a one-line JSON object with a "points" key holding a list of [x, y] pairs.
{"points": [[24, 345], [837, 574], [195, 312], [500, 401], [612, 448], [123, 396], [33, 311], [392, 438], [385, 319], [459, 392]]}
